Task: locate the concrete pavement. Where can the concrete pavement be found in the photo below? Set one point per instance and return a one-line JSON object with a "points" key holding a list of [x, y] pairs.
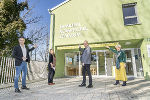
{"points": [[67, 89]]}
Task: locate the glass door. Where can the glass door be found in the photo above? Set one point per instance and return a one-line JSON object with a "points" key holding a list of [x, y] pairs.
{"points": [[109, 62], [93, 67], [101, 63], [72, 64], [129, 66], [138, 62]]}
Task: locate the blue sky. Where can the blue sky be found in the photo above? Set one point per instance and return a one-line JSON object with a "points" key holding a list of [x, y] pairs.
{"points": [[41, 9], [42, 6]]}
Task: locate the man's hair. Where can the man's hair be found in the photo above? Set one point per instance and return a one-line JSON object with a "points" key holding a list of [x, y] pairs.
{"points": [[22, 37], [51, 49], [86, 41]]}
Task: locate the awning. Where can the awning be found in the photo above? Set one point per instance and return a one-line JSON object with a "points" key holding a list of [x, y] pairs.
{"points": [[91, 45]]}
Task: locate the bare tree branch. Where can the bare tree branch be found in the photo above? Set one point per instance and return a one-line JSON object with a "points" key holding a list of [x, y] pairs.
{"points": [[33, 20]]}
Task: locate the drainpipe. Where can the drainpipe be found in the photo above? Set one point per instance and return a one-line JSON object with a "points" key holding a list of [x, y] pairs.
{"points": [[52, 27]]}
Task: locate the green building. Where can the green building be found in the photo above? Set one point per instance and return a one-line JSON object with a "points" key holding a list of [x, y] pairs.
{"points": [[102, 23]]}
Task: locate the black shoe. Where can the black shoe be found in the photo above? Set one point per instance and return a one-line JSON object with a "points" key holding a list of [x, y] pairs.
{"points": [[89, 86], [124, 83], [17, 90], [24, 87], [117, 82], [82, 85]]}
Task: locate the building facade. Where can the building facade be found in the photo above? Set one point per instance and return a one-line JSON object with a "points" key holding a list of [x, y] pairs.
{"points": [[102, 23]]}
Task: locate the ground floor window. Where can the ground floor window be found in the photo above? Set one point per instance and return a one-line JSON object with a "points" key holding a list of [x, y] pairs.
{"points": [[103, 63], [72, 64]]}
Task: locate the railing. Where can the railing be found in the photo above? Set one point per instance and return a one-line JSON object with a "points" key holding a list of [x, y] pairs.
{"points": [[7, 70], [36, 70]]}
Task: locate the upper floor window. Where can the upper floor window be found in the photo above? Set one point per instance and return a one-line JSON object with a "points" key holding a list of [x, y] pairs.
{"points": [[130, 14]]}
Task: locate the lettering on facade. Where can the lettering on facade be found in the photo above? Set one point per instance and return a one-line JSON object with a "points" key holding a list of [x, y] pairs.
{"points": [[71, 30]]}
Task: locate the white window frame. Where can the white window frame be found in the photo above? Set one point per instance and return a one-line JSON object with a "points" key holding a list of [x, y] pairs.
{"points": [[128, 17]]}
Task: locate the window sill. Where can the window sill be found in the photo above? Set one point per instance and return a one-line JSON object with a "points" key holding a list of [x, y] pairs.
{"points": [[133, 24]]}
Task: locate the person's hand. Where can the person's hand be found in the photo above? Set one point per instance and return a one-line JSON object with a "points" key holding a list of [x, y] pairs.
{"points": [[35, 46], [51, 65], [107, 47], [54, 68], [24, 58], [79, 46], [125, 65], [82, 64]]}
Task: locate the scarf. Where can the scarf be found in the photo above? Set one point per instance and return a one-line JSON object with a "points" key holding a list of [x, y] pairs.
{"points": [[117, 60]]}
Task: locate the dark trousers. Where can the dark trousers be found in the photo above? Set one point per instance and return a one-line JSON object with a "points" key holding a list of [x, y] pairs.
{"points": [[51, 74], [86, 68]]}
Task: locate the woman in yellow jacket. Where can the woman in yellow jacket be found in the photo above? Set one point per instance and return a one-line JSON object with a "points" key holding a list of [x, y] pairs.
{"points": [[120, 71]]}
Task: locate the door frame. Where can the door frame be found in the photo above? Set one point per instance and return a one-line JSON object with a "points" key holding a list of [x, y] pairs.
{"points": [[133, 61], [132, 57], [65, 70], [104, 51]]}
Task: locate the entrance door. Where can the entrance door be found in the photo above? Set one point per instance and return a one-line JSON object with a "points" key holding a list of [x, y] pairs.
{"points": [[72, 64], [129, 66], [138, 62], [101, 63], [93, 67], [109, 62]]}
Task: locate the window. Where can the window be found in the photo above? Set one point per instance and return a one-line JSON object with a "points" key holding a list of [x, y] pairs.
{"points": [[130, 14]]}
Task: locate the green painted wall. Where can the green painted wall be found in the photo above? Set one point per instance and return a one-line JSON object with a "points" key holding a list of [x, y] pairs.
{"points": [[103, 19], [145, 59], [60, 64], [60, 55]]}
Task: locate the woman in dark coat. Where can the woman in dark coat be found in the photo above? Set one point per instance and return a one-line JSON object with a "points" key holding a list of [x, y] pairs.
{"points": [[51, 67]]}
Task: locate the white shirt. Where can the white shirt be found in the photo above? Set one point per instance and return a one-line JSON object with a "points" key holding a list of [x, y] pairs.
{"points": [[24, 51]]}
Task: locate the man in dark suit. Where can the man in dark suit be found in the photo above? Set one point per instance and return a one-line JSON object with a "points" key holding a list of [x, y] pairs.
{"points": [[21, 55], [86, 62]]}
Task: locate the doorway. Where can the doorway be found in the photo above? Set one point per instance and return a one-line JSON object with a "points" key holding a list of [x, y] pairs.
{"points": [[129, 64], [72, 64], [101, 63]]}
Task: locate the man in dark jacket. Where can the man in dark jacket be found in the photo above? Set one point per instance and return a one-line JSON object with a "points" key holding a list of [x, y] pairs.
{"points": [[86, 62], [21, 55]]}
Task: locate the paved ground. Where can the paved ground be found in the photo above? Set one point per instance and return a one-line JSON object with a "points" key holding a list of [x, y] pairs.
{"points": [[67, 89]]}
